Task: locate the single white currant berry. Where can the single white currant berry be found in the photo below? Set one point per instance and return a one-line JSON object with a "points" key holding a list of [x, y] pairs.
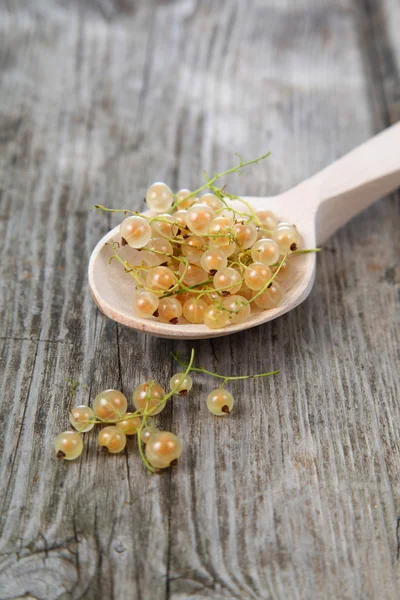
{"points": [[287, 238], [213, 259], [265, 251], [68, 445], [136, 231], [220, 231], [183, 201], [199, 217], [157, 251], [112, 438], [162, 448], [245, 234], [162, 225], [193, 310], [284, 272], [110, 405], [212, 201], [81, 418], [180, 220], [159, 197], [271, 297], [160, 279], [193, 249], [130, 425], [257, 275], [239, 307], [220, 402], [181, 383], [169, 310], [145, 304], [229, 249], [192, 274], [149, 396], [215, 317], [228, 280], [267, 219]]}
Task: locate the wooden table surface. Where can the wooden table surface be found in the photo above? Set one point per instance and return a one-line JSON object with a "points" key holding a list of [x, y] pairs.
{"points": [[296, 494]]}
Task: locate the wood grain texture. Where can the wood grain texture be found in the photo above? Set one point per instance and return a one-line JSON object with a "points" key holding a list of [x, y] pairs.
{"points": [[296, 495]]}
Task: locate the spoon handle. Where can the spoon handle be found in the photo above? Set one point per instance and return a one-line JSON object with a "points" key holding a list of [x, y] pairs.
{"points": [[356, 180]]}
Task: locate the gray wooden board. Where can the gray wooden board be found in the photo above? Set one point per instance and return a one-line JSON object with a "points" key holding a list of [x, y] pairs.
{"points": [[296, 494]]}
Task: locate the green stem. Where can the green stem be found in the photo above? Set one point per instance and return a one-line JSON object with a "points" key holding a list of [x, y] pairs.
{"points": [[226, 378]]}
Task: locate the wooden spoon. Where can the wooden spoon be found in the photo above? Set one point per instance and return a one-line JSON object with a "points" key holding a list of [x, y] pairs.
{"points": [[318, 206]]}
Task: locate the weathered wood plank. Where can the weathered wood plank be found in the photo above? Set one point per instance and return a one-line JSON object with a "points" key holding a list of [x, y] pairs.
{"points": [[296, 494]]}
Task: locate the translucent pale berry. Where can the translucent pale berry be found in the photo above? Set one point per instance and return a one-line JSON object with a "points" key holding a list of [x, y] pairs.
{"points": [[159, 197], [287, 238], [192, 274], [265, 251], [284, 272], [212, 201], [245, 234], [240, 309], [145, 304], [180, 218], [136, 231], [160, 278], [169, 310], [193, 310], [213, 259], [157, 251], [147, 431], [183, 201], [215, 317], [193, 249], [181, 383], [220, 402], [130, 425], [246, 292], [80, 418], [110, 404], [229, 249], [112, 438], [199, 217], [162, 448], [68, 445], [227, 279], [148, 396], [162, 226], [271, 297], [267, 219], [256, 276]]}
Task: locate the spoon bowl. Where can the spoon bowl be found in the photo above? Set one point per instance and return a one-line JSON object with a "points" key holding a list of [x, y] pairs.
{"points": [[318, 207]]}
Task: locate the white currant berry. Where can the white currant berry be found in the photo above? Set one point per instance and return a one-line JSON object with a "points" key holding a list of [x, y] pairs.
{"points": [[245, 234], [265, 251], [169, 310], [284, 272], [159, 197], [148, 396], [220, 402], [162, 448], [215, 317], [228, 280], [162, 225], [109, 405], [239, 307], [136, 231], [183, 201], [213, 259], [192, 274], [193, 310], [81, 418], [267, 219], [212, 201], [199, 217], [68, 445], [271, 297], [112, 438], [287, 238], [145, 304], [130, 425], [257, 275], [160, 279], [193, 249], [181, 383]]}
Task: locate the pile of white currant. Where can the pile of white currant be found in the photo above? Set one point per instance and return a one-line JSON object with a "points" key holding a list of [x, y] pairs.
{"points": [[204, 262], [110, 409]]}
